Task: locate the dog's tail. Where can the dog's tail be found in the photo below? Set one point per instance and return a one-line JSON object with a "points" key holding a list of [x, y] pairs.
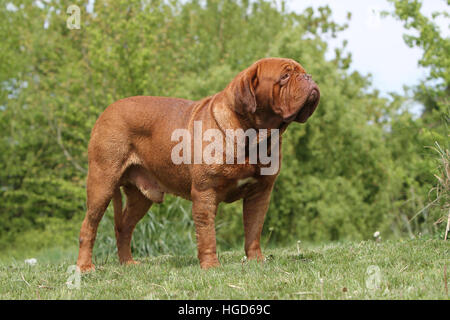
{"points": [[117, 204]]}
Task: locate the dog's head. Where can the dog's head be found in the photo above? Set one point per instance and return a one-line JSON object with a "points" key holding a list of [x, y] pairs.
{"points": [[273, 92]]}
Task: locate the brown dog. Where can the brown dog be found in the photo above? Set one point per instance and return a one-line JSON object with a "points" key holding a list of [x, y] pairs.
{"points": [[132, 143]]}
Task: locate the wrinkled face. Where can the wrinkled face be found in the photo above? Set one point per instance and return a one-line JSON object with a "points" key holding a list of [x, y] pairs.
{"points": [[282, 92], [287, 89]]}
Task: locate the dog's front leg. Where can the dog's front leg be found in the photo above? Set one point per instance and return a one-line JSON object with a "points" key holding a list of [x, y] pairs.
{"points": [[255, 208], [204, 210]]}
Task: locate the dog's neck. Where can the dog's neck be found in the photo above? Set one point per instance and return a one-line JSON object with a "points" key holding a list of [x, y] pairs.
{"points": [[224, 115], [223, 110], [227, 119]]}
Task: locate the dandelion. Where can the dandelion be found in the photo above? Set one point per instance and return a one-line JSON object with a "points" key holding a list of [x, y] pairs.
{"points": [[31, 261], [377, 236]]}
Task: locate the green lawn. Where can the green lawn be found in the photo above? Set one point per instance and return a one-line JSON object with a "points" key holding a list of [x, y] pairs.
{"points": [[366, 270]]}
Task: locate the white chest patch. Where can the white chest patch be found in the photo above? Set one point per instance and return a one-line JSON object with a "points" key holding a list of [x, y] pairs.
{"points": [[242, 182]]}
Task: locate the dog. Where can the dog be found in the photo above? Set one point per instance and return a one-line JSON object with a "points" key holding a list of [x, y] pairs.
{"points": [[131, 148]]}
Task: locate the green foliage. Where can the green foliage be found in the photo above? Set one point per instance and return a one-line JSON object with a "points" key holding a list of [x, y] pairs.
{"points": [[431, 129], [48, 236], [357, 166]]}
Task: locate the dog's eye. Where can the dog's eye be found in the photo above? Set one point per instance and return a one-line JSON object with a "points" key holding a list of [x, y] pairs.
{"points": [[284, 78]]}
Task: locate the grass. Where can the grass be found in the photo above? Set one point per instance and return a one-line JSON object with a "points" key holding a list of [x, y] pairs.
{"points": [[412, 269]]}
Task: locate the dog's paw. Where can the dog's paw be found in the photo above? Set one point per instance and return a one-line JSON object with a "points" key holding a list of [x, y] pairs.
{"points": [[132, 262], [209, 264], [87, 268]]}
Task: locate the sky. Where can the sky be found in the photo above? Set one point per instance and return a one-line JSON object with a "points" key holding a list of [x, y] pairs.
{"points": [[376, 43]]}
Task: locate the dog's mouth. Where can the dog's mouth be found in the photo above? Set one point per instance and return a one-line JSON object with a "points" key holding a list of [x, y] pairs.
{"points": [[309, 107], [291, 118]]}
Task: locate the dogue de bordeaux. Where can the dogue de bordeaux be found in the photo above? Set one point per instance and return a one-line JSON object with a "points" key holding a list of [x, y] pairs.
{"points": [[131, 149]]}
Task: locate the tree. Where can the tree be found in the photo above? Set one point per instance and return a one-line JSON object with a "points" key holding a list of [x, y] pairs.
{"points": [[344, 174], [431, 129]]}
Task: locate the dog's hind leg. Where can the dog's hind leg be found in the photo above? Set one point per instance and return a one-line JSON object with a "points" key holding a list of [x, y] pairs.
{"points": [[100, 189], [137, 206]]}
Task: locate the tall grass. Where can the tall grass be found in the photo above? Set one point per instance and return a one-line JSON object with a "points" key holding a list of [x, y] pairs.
{"points": [[167, 228], [440, 194], [442, 189]]}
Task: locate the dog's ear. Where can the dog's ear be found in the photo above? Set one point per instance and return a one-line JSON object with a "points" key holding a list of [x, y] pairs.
{"points": [[243, 89]]}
